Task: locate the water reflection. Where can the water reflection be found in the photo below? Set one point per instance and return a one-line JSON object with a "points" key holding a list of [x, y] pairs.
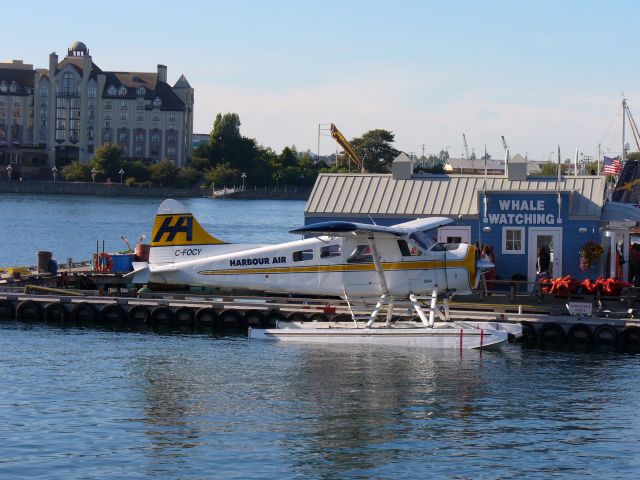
{"points": [[89, 403], [361, 402]]}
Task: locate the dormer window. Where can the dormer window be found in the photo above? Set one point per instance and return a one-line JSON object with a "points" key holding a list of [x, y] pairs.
{"points": [[111, 90], [157, 102], [3, 87], [123, 91], [14, 87], [140, 91]]}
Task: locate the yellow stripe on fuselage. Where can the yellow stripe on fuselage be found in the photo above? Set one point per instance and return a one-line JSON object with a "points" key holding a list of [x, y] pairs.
{"points": [[467, 263]]}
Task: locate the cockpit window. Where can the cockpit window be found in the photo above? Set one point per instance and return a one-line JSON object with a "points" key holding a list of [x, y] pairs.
{"points": [[361, 254], [408, 250], [423, 239]]}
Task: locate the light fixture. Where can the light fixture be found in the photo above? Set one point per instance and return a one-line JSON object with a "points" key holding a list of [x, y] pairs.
{"points": [[582, 229], [486, 229], [607, 233]]}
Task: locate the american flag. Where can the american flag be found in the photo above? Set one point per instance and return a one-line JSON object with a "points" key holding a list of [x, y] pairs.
{"points": [[612, 166]]}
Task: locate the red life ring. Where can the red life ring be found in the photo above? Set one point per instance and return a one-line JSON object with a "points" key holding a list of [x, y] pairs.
{"points": [[104, 263]]}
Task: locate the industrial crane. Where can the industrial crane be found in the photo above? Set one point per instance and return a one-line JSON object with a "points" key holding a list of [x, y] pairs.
{"points": [[506, 150], [466, 147], [338, 137]]}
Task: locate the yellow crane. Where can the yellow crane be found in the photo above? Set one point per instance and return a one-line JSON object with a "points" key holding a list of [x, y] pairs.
{"points": [[338, 137]]}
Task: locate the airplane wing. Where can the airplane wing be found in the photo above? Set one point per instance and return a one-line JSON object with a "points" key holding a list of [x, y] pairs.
{"points": [[342, 228]]}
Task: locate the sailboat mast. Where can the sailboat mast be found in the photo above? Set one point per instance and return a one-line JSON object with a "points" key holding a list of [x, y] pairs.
{"points": [[624, 114]]}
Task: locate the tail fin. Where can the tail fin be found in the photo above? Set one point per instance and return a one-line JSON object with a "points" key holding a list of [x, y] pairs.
{"points": [[175, 226], [177, 236]]}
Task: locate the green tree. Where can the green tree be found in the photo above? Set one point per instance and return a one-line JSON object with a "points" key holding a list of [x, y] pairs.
{"points": [[288, 157], [164, 173], [225, 127], [138, 170], [188, 177], [77, 172], [375, 150], [223, 176], [108, 160], [227, 145], [549, 169]]}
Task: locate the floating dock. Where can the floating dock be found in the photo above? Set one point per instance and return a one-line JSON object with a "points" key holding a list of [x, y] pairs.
{"points": [[237, 313]]}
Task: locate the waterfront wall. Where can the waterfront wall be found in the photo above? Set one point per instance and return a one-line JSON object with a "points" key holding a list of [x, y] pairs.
{"points": [[270, 193], [101, 189]]}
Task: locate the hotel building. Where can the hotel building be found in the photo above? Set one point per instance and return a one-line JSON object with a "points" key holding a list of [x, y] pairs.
{"points": [[56, 116]]}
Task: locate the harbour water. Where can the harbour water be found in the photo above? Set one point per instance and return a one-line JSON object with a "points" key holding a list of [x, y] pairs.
{"points": [[69, 226], [93, 403]]}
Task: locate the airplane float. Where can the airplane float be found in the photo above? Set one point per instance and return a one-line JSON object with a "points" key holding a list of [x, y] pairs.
{"points": [[350, 260]]}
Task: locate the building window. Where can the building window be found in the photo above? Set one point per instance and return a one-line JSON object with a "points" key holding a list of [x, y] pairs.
{"points": [[44, 94], [3, 87], [124, 118], [157, 102], [123, 105], [140, 91], [91, 92], [123, 91], [140, 106], [111, 90], [513, 240], [107, 135], [107, 105], [14, 87], [68, 84]]}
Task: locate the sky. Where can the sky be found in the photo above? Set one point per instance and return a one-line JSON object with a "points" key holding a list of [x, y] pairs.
{"points": [[541, 73]]}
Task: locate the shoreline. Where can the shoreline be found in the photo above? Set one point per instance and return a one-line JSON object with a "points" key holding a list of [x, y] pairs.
{"points": [[38, 187]]}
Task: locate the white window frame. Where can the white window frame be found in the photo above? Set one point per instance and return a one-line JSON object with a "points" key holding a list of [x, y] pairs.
{"points": [[522, 249]]}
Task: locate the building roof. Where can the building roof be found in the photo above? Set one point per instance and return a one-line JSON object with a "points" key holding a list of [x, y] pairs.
{"points": [[24, 79], [355, 195], [182, 82], [77, 63]]}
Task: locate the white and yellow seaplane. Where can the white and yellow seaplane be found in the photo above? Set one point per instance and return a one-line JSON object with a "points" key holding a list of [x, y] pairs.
{"points": [[354, 261]]}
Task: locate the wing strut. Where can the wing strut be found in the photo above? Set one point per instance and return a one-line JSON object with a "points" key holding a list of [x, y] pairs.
{"points": [[385, 298]]}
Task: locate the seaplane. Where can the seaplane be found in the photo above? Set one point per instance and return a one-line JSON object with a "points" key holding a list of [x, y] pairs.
{"points": [[353, 261]]}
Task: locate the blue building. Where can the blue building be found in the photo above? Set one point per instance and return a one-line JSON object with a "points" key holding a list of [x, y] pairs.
{"points": [[515, 213]]}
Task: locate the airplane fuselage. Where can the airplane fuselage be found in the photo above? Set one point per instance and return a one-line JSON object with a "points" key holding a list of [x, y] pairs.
{"points": [[323, 266]]}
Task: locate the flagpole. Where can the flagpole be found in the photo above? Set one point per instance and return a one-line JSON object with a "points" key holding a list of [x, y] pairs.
{"points": [[599, 154]]}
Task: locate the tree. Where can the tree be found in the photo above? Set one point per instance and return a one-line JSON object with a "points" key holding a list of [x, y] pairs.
{"points": [[137, 170], [443, 156], [108, 160], [164, 173], [223, 176], [188, 177], [225, 127], [288, 157], [375, 150], [77, 172], [549, 169]]}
